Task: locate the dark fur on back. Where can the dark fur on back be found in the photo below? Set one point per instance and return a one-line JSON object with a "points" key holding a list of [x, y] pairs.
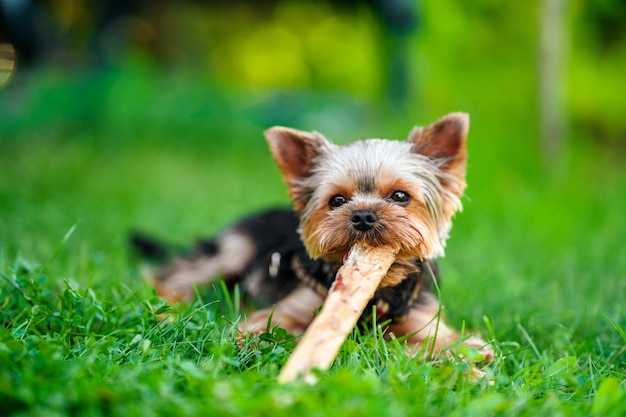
{"points": [[279, 263]]}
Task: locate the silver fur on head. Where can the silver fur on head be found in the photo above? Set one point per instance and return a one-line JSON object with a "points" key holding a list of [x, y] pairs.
{"points": [[356, 165], [428, 170]]}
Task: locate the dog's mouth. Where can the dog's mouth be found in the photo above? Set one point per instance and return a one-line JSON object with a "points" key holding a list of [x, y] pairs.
{"points": [[337, 245], [375, 236], [332, 235]]}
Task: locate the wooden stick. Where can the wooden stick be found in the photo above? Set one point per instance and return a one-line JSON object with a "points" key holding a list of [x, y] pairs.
{"points": [[355, 284]]}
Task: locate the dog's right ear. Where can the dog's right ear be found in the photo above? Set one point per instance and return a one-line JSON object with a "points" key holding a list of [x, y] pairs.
{"points": [[295, 151]]}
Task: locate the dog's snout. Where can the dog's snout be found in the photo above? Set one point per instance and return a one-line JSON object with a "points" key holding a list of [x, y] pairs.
{"points": [[363, 220]]}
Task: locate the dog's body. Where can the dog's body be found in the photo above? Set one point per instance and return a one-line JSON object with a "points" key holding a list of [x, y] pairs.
{"points": [[379, 191], [263, 253]]}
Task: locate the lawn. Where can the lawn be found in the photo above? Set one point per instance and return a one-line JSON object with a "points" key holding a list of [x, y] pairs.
{"points": [[535, 264], [536, 261]]}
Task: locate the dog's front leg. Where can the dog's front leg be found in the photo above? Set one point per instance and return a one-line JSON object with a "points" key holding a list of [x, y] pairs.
{"points": [[293, 313], [425, 325]]}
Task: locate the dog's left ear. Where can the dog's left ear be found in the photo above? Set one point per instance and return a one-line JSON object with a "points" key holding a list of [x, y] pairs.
{"points": [[445, 142]]}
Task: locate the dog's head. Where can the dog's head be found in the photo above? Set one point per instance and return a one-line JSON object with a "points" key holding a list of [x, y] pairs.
{"points": [[375, 190]]}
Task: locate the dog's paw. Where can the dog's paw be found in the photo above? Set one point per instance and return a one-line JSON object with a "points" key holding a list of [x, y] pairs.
{"points": [[484, 349], [263, 321], [478, 354]]}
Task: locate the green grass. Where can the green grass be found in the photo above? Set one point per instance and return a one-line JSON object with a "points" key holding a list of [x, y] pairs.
{"points": [[535, 264]]}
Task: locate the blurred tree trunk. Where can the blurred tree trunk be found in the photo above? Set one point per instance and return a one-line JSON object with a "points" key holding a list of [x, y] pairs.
{"points": [[552, 73]]}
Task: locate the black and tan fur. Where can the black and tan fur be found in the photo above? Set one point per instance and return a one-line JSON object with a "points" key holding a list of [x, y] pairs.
{"points": [[374, 190]]}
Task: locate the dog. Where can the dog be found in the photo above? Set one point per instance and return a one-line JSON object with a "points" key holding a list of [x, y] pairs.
{"points": [[374, 190]]}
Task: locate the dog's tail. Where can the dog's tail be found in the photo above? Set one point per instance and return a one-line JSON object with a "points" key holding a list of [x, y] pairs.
{"points": [[149, 248]]}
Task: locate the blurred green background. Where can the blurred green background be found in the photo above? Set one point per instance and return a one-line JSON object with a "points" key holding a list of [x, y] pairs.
{"points": [[322, 64], [149, 115]]}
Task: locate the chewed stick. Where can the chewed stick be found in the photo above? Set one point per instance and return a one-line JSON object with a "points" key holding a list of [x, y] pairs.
{"points": [[355, 284]]}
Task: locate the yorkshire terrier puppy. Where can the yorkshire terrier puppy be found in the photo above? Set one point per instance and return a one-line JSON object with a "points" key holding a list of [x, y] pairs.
{"points": [[374, 190]]}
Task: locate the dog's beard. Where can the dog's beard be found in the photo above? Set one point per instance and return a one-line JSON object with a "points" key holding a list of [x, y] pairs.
{"points": [[330, 234]]}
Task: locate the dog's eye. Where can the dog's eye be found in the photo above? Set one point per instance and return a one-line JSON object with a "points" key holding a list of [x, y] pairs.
{"points": [[337, 201], [399, 197]]}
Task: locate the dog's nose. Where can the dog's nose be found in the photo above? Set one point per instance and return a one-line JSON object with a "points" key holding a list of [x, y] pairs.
{"points": [[363, 220]]}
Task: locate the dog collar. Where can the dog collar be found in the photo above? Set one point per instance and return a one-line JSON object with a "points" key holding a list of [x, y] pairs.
{"points": [[388, 303]]}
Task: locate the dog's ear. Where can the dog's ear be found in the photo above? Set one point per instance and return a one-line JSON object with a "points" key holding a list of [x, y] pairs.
{"points": [[294, 151], [444, 141]]}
